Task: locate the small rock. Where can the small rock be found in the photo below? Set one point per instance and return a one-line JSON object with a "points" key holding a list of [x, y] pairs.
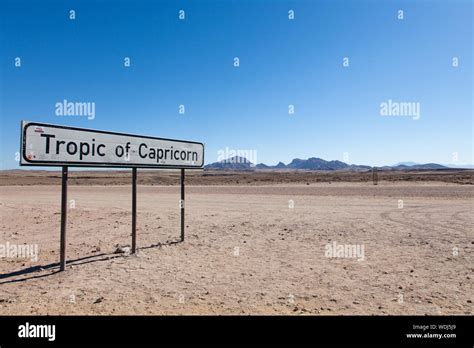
{"points": [[122, 250]]}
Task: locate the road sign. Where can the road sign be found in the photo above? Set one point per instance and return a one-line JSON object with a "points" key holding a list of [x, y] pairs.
{"points": [[53, 145]]}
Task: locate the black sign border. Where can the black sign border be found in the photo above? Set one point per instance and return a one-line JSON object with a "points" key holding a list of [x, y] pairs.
{"points": [[26, 124]]}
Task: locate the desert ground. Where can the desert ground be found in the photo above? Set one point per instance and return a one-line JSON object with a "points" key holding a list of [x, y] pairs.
{"points": [[255, 244]]}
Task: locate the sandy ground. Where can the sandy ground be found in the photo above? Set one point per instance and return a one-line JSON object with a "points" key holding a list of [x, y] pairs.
{"points": [[246, 251]]}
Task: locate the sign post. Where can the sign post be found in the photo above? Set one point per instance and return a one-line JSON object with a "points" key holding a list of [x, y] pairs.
{"points": [[134, 210], [62, 251], [182, 205], [53, 145]]}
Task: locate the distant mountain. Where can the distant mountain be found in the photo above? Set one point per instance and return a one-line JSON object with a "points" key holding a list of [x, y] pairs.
{"points": [[405, 164], [313, 163], [414, 165], [460, 166], [280, 165], [233, 163], [418, 166], [262, 166], [359, 168]]}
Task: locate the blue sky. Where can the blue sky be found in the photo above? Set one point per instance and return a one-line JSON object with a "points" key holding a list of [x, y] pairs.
{"points": [[282, 62]]}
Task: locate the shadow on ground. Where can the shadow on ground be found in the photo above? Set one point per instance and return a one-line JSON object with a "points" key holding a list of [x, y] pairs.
{"points": [[54, 267]]}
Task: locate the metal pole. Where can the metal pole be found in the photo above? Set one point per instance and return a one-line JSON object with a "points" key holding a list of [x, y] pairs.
{"points": [[181, 204], [62, 252], [134, 210]]}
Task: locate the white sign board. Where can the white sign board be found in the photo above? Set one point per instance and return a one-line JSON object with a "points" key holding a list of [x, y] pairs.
{"points": [[52, 145]]}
